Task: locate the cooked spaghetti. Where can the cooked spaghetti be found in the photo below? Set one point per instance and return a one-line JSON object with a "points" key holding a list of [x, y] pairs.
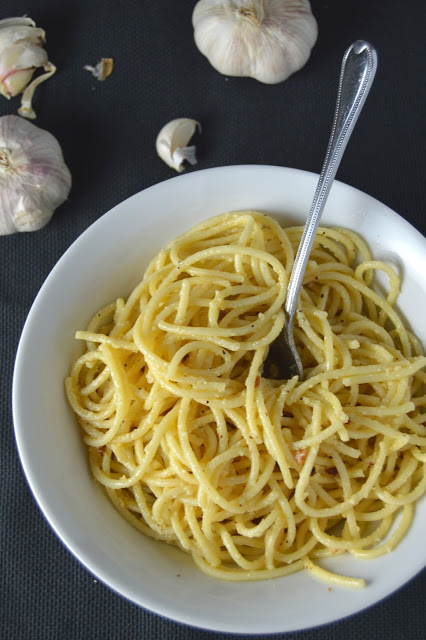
{"points": [[256, 478]]}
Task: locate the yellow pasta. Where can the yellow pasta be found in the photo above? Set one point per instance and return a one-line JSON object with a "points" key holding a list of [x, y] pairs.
{"points": [[256, 478]]}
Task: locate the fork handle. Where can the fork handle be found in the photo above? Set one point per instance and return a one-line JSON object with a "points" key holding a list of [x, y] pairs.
{"points": [[356, 76]]}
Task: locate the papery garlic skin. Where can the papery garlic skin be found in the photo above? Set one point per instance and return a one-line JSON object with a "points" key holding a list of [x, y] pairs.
{"points": [[263, 39], [172, 141], [102, 70], [34, 179], [21, 53]]}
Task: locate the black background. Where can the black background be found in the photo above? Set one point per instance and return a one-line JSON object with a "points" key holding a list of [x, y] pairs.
{"points": [[107, 132]]}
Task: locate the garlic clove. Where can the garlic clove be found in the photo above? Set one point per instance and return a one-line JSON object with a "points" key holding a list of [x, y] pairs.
{"points": [[15, 82], [21, 53], [6, 23], [172, 141], [10, 36], [34, 179], [17, 64]]}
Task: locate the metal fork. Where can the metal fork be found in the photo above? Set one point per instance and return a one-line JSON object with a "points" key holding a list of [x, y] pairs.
{"points": [[356, 77]]}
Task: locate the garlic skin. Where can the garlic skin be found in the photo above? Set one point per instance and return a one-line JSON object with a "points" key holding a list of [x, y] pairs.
{"points": [[102, 70], [34, 179], [21, 53], [267, 40], [172, 141]]}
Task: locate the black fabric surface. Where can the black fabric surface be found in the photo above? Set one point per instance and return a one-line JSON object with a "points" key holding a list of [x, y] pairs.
{"points": [[107, 132]]}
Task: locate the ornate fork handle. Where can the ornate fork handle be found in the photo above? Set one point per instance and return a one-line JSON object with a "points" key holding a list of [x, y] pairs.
{"points": [[356, 76]]}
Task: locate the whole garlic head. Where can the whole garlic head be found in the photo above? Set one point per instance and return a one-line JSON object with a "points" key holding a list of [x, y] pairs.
{"points": [[263, 39], [34, 179]]}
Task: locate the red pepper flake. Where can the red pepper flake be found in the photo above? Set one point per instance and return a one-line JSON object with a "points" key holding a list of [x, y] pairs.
{"points": [[257, 381], [332, 471], [300, 455]]}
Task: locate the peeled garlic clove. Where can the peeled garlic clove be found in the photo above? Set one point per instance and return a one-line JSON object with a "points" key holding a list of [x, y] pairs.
{"points": [[263, 39], [21, 54], [172, 141], [34, 179]]}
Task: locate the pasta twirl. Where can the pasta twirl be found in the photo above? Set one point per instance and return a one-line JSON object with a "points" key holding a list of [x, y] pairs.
{"points": [[256, 478]]}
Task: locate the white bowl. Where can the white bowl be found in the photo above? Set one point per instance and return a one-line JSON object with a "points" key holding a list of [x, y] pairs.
{"points": [[107, 261]]}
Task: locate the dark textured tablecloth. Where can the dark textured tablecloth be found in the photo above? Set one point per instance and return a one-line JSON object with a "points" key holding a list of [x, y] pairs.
{"points": [[107, 132]]}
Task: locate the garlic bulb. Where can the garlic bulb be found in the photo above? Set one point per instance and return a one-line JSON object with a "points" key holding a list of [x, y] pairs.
{"points": [[263, 39], [21, 53], [34, 180], [172, 141]]}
